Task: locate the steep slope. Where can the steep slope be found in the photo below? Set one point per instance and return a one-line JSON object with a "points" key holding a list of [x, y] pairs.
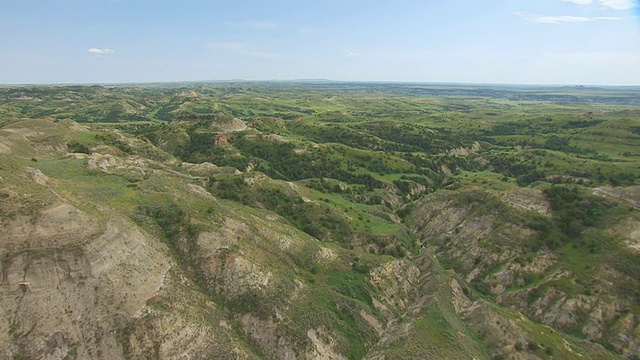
{"points": [[122, 251], [79, 278], [518, 251], [120, 254]]}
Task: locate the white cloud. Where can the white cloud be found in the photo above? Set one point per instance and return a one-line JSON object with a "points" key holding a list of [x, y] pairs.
{"points": [[564, 18], [618, 4], [352, 54], [100, 51], [579, 2], [559, 19], [612, 4], [256, 24]]}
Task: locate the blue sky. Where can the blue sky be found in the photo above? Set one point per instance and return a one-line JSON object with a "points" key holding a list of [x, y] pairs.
{"points": [[488, 41]]}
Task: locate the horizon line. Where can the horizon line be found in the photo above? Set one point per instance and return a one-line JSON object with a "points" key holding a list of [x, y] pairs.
{"points": [[318, 80]]}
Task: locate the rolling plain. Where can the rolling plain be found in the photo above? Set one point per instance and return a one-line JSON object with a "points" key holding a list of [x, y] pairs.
{"points": [[319, 220]]}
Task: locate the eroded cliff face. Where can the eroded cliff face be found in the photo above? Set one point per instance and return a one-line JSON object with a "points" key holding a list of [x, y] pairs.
{"points": [[91, 285], [80, 279], [127, 255], [92, 266], [52, 296], [487, 239]]}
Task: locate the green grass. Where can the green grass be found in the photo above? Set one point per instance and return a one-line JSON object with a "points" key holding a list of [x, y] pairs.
{"points": [[564, 346], [368, 143], [90, 185]]}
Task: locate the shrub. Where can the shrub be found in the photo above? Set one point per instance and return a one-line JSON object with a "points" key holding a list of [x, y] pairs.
{"points": [[76, 147]]}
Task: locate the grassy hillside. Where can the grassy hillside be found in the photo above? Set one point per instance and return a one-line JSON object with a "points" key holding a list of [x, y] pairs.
{"points": [[295, 220]]}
